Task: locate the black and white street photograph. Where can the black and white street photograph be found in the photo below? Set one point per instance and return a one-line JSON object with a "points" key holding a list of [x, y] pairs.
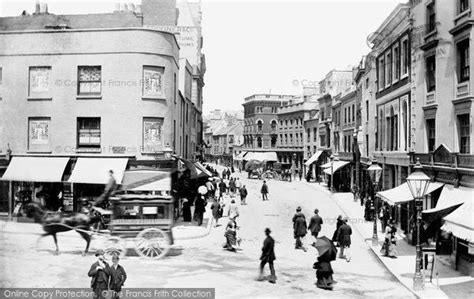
{"points": [[236, 149]]}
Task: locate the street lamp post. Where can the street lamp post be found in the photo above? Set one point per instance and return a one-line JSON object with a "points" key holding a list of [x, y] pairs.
{"points": [[374, 172], [418, 183]]}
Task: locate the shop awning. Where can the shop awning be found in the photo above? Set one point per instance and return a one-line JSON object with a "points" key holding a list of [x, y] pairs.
{"points": [[335, 167], [240, 156], [201, 170], [261, 156], [326, 165], [96, 170], [460, 222], [35, 169], [449, 200], [401, 193], [313, 158], [146, 180]]}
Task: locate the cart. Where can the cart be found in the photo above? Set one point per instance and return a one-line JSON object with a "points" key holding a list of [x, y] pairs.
{"points": [[145, 221]]}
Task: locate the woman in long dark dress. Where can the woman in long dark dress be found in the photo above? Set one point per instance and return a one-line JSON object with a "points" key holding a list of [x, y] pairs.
{"points": [[324, 270]]}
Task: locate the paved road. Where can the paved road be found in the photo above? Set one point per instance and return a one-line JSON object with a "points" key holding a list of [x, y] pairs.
{"points": [[203, 262]]}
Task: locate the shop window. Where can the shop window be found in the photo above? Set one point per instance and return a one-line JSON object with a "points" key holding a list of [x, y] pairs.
{"points": [[431, 134], [89, 80], [153, 82], [39, 137], [464, 136], [88, 132], [463, 60], [431, 73]]}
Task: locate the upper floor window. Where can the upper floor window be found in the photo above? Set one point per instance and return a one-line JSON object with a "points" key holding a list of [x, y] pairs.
{"points": [[367, 110], [39, 135], [381, 73], [259, 126], [274, 125], [431, 134], [39, 80], [259, 109], [88, 132], [463, 5], [464, 136], [314, 134], [153, 82], [404, 57], [431, 73], [388, 68], [353, 113], [0, 83], [463, 60], [396, 62], [308, 132], [259, 142], [152, 134], [431, 15], [274, 109], [89, 80]]}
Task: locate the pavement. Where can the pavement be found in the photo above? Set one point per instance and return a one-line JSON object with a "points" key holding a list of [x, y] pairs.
{"points": [[202, 262], [446, 283]]}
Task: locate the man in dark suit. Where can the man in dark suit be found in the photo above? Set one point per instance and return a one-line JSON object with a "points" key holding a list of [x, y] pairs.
{"points": [[268, 256], [100, 273], [117, 277], [315, 224]]}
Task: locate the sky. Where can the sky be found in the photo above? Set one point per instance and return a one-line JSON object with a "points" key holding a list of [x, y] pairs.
{"points": [[263, 46]]}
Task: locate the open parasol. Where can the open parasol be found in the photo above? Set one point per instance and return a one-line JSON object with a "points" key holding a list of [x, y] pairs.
{"points": [[326, 248], [202, 190]]}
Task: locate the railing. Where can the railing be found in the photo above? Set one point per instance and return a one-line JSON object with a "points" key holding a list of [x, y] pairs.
{"points": [[446, 159]]}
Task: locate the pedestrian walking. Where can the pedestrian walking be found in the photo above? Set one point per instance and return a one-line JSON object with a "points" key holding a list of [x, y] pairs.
{"points": [[268, 256], [243, 195], [389, 247], [224, 173], [384, 216], [232, 240], [339, 223], [228, 173], [210, 188], [222, 188], [344, 238], [215, 207], [315, 224], [200, 208], [300, 173], [299, 229], [233, 211], [264, 190], [117, 277], [100, 273], [232, 186]]}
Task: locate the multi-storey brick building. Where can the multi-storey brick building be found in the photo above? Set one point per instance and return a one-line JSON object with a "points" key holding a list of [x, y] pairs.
{"points": [[261, 121], [65, 96]]}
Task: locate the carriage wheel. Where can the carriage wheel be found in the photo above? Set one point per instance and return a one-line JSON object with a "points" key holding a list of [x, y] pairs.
{"points": [[115, 246], [152, 243]]}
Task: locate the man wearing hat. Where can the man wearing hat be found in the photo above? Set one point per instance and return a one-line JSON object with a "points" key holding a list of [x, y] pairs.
{"points": [[268, 256], [100, 273], [299, 229], [315, 224]]}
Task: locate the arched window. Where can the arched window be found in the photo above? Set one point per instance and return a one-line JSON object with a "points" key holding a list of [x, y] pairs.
{"points": [[274, 125], [259, 142], [259, 126], [274, 141]]}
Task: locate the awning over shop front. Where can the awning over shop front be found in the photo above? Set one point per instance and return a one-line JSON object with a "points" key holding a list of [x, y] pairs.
{"points": [[96, 170], [201, 170], [261, 156], [313, 158], [326, 165], [146, 180], [335, 167], [35, 169], [401, 193], [240, 156], [450, 199], [460, 222]]}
